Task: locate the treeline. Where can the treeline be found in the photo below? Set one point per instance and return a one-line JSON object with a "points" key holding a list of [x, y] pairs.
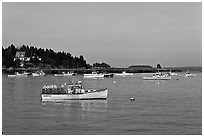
{"points": [[101, 65], [39, 57]]}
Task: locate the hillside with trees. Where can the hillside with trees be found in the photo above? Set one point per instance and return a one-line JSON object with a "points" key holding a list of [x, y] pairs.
{"points": [[38, 57]]}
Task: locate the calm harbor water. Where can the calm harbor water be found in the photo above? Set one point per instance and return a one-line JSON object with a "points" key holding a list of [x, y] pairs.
{"points": [[160, 107]]}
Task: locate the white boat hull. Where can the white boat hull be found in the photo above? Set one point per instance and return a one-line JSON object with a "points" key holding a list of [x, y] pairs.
{"points": [[94, 76], [173, 74], [69, 74], [58, 75], [17, 76], [37, 75], [156, 78], [61, 75], [190, 75], [11, 76], [102, 94], [124, 74]]}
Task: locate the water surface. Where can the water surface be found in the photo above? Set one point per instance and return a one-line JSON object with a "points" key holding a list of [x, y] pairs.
{"points": [[160, 107]]}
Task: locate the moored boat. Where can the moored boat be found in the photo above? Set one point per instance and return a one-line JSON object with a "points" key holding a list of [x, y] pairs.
{"points": [[38, 74], [58, 75], [108, 75], [188, 74], [11, 75], [71, 92], [124, 74], [173, 74], [158, 76], [17, 74], [68, 74], [94, 75], [64, 74]]}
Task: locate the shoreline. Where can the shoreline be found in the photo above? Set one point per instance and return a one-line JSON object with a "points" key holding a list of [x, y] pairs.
{"points": [[101, 70]]}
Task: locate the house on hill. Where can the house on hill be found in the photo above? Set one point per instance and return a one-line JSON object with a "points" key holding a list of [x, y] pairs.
{"points": [[20, 55]]}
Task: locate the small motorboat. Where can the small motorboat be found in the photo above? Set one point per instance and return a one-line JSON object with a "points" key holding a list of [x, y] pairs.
{"points": [[72, 91], [123, 74], [94, 75], [173, 74], [64, 74], [58, 75], [188, 74], [158, 76], [38, 74], [17, 75], [68, 74], [11, 75], [108, 75]]}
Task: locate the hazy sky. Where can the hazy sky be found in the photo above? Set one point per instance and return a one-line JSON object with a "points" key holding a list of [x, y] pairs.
{"points": [[120, 34]]}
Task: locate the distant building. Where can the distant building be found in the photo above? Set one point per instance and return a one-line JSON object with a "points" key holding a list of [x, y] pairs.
{"points": [[20, 55]]}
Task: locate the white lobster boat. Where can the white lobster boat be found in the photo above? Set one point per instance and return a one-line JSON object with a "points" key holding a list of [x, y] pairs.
{"points": [[73, 92]]}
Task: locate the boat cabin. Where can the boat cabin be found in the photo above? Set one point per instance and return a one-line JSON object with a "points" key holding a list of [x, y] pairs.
{"points": [[75, 89]]}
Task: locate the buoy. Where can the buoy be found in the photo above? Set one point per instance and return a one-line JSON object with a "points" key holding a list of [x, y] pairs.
{"points": [[132, 99], [114, 82]]}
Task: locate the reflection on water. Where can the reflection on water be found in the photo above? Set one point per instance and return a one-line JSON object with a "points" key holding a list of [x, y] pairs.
{"points": [[84, 105]]}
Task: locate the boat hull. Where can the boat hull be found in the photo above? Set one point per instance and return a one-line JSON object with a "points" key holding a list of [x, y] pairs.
{"points": [[94, 76], [58, 75], [190, 75], [98, 94], [11, 76], [37, 75], [17, 76], [156, 78], [62, 75], [124, 74]]}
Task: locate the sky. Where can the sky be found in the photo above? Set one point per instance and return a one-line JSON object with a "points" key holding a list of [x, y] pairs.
{"points": [[120, 34]]}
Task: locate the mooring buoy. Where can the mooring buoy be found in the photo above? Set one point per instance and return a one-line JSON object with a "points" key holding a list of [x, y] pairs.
{"points": [[132, 99]]}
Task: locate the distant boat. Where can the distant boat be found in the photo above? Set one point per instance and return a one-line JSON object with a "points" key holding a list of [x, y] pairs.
{"points": [[64, 74], [58, 75], [173, 74], [68, 74], [17, 74], [11, 75], [124, 74], [158, 76], [71, 92], [38, 74], [94, 75], [188, 74], [108, 75], [24, 74]]}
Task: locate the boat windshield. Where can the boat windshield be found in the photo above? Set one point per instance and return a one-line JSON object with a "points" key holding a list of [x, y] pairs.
{"points": [[75, 86]]}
